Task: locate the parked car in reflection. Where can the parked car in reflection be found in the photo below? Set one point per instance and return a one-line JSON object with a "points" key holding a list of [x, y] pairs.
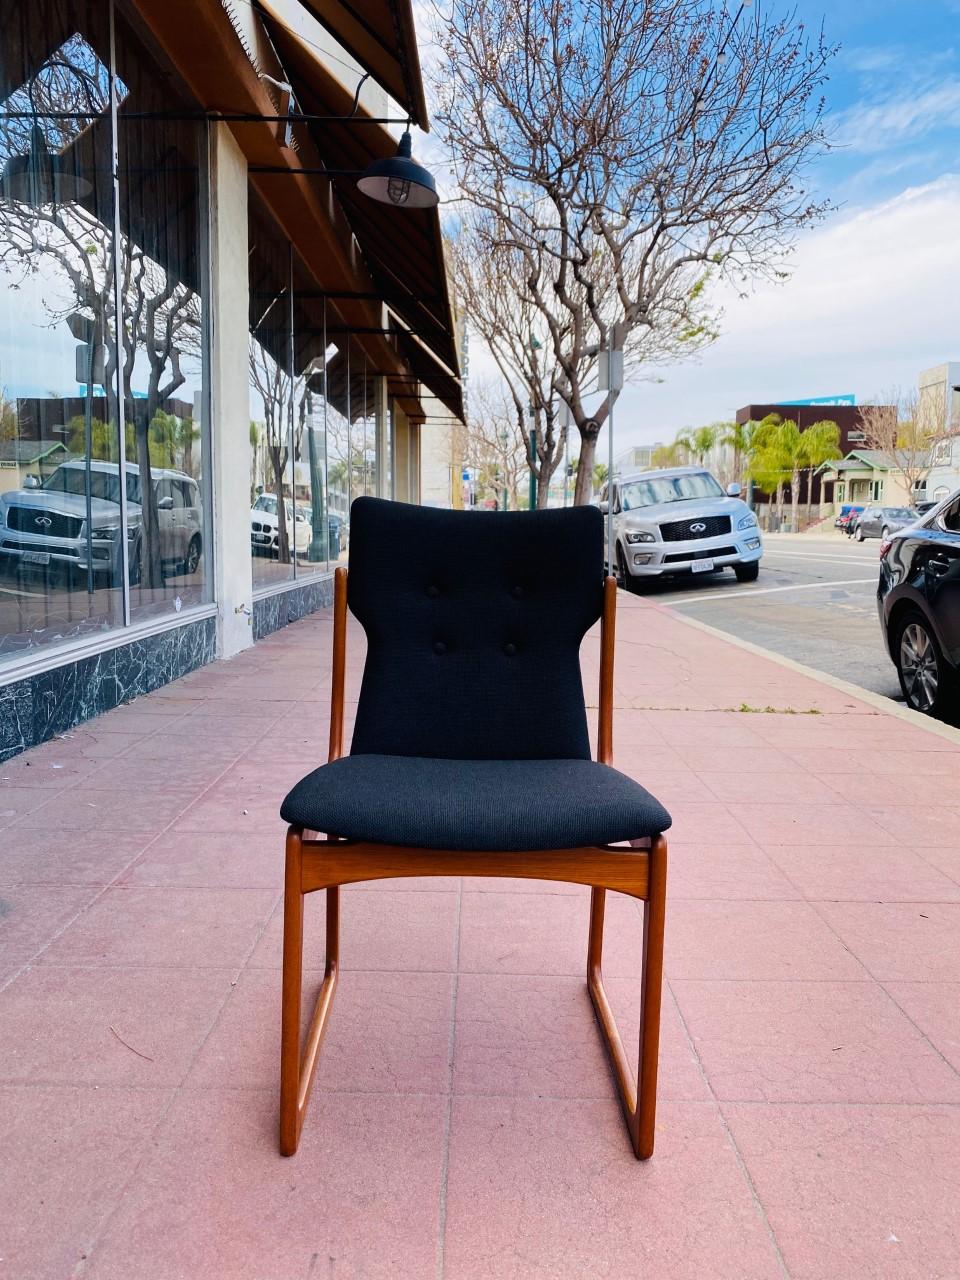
{"points": [[918, 598], [265, 526], [46, 524], [880, 522]]}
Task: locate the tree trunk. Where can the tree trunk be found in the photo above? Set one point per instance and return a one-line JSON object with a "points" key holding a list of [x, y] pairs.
{"points": [[794, 500], [809, 495], [583, 489], [283, 541], [780, 496], [151, 568]]}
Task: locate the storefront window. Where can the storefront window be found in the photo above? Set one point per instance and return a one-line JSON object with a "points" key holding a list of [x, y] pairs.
{"points": [[162, 253], [301, 436], [59, 519], [278, 531], [87, 542]]}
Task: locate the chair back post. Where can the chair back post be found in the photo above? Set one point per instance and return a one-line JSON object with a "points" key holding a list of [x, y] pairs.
{"points": [[608, 628], [339, 662]]}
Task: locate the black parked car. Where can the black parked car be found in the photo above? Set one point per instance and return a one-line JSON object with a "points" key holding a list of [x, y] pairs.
{"points": [[919, 602]]}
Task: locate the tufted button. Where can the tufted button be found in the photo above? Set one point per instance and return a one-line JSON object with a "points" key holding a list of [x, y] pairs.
{"points": [[439, 647], [510, 649], [517, 593], [433, 591]]}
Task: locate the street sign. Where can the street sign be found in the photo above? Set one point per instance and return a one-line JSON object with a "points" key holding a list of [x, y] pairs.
{"points": [[98, 368], [82, 327]]}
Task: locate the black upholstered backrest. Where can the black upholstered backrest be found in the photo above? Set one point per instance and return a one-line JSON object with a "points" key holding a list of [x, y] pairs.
{"points": [[474, 622]]}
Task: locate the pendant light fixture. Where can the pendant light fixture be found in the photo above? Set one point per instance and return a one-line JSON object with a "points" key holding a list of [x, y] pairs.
{"points": [[399, 180], [40, 177]]}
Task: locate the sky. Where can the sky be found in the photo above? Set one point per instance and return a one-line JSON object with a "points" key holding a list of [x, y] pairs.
{"points": [[874, 293]]}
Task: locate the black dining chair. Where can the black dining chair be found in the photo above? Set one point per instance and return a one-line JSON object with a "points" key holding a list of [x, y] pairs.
{"points": [[470, 753]]}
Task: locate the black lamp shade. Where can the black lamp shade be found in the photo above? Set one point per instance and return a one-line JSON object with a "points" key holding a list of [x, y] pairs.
{"points": [[400, 180], [40, 177]]}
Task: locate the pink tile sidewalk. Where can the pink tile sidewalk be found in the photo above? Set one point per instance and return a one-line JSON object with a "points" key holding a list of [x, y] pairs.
{"points": [[463, 1122]]}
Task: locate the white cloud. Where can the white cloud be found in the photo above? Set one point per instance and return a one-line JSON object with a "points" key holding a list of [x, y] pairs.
{"points": [[871, 302], [876, 126]]}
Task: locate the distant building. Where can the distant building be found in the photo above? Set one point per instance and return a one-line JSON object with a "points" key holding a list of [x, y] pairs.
{"points": [[941, 384], [639, 458], [867, 477], [805, 413]]}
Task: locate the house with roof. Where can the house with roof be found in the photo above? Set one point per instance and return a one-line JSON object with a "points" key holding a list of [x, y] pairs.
{"points": [[865, 476], [20, 458]]}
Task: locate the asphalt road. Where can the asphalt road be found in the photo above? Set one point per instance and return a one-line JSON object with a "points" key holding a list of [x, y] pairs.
{"points": [[814, 601]]}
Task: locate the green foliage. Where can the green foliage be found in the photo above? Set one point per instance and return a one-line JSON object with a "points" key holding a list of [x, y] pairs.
{"points": [[773, 452], [820, 443], [697, 441], [599, 474], [667, 455]]}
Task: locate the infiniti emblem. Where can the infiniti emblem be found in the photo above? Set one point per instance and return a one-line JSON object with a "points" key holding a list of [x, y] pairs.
{"points": [[699, 527], [43, 521]]}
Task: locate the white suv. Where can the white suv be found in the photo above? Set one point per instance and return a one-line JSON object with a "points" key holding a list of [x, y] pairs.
{"points": [[680, 521]]}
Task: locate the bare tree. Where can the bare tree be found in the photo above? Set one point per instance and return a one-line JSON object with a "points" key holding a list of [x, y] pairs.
{"points": [[617, 157], [486, 274], [906, 430], [492, 444]]}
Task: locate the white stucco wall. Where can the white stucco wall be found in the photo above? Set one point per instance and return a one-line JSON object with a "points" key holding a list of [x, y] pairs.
{"points": [[230, 410]]}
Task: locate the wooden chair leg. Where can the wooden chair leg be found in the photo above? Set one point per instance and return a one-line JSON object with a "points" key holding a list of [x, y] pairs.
{"points": [[638, 1097], [296, 1073]]}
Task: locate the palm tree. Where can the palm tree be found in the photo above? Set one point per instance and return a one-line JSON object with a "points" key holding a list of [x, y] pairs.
{"points": [[773, 461], [820, 443], [739, 437], [698, 441], [667, 455]]}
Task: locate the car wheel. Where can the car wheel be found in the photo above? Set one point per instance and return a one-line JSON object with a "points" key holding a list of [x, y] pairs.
{"points": [[859, 535], [192, 561], [923, 674], [747, 572], [885, 533], [622, 576]]}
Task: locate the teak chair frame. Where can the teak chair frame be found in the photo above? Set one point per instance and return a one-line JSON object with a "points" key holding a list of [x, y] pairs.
{"points": [[313, 864]]}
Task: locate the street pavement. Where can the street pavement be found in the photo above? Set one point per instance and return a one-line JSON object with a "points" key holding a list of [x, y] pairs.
{"points": [[814, 602], [463, 1124]]}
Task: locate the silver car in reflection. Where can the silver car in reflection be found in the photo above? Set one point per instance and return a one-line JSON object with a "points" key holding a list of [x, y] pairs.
{"points": [[47, 525], [680, 521]]}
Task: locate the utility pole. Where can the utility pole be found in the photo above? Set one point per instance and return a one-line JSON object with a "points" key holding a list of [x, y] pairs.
{"points": [[610, 379]]}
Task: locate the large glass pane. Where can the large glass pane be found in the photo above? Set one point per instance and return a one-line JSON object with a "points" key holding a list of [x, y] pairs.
{"points": [[277, 530], [162, 247], [60, 529]]}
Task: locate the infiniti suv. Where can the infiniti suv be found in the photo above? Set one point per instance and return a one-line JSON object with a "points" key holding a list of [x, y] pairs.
{"points": [[681, 521], [47, 524]]}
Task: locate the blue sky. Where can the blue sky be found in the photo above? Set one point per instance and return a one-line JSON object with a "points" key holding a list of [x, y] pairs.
{"points": [[874, 295], [875, 290], [894, 94]]}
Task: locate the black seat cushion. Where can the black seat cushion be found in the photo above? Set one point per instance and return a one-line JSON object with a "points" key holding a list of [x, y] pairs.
{"points": [[474, 804]]}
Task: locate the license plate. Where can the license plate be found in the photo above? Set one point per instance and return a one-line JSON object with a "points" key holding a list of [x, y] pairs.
{"points": [[35, 557], [702, 566]]}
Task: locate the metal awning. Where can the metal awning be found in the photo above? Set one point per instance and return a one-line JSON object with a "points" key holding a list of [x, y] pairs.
{"points": [[403, 251], [381, 35]]}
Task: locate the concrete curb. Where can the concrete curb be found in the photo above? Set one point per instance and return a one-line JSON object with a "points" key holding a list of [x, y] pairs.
{"points": [[877, 700]]}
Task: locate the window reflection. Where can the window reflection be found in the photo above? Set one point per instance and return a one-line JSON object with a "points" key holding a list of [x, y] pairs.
{"points": [[275, 532], [161, 370], [66, 384], [59, 527]]}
